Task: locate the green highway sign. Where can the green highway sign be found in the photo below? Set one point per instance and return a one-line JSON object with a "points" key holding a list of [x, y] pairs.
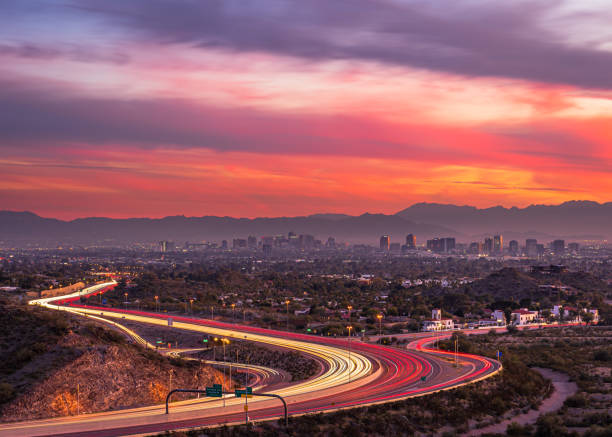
{"points": [[205, 340], [216, 391], [248, 391]]}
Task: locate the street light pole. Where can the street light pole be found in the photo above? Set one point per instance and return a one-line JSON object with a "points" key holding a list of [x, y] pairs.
{"points": [[287, 303], [126, 296], [223, 340], [349, 341], [191, 306], [350, 307], [379, 317], [233, 313], [212, 313], [157, 303]]}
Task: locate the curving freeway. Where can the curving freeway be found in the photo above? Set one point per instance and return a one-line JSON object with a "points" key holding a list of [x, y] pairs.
{"points": [[354, 374]]}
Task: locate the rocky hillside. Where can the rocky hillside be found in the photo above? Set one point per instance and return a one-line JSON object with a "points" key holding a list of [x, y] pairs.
{"points": [[54, 361]]}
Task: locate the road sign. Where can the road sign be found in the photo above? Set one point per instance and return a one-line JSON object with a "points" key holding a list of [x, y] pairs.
{"points": [[248, 391], [205, 340], [159, 342], [104, 301], [215, 391]]}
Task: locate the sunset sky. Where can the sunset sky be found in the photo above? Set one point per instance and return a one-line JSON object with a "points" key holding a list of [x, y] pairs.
{"points": [[270, 107]]}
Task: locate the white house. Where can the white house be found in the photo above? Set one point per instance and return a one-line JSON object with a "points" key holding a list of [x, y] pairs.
{"points": [[523, 316], [437, 323]]}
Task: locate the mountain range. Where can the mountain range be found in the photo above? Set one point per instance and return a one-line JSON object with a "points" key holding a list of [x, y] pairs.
{"points": [[571, 220]]}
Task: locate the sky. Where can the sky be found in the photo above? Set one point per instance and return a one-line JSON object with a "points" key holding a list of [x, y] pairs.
{"points": [[246, 108]]}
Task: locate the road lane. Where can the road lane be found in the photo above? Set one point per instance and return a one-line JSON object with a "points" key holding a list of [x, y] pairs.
{"points": [[378, 374]]}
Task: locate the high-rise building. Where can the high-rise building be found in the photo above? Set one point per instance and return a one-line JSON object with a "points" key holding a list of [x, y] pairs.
{"points": [[395, 247], [573, 247], [411, 241], [267, 250], [331, 243], [252, 242], [531, 247], [498, 244], [475, 248], [558, 246], [224, 245], [166, 246], [385, 242], [441, 245], [488, 246], [513, 247]]}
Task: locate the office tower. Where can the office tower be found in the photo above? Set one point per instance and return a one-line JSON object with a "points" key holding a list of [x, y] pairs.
{"points": [[331, 243], [513, 247], [394, 247], [267, 250], [449, 244], [531, 247], [224, 245], [488, 246], [475, 248], [166, 246], [498, 244], [252, 242], [385, 242], [573, 247], [558, 246], [411, 241]]}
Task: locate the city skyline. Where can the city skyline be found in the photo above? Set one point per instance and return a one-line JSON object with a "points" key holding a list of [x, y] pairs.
{"points": [[169, 108]]}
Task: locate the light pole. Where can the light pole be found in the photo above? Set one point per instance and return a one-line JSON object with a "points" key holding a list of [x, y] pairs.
{"points": [[349, 327], [126, 296], [157, 303], [287, 302], [191, 306], [379, 317], [233, 313], [212, 313], [224, 341], [243, 315], [350, 307]]}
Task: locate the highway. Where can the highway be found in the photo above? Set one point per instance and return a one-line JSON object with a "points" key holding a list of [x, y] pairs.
{"points": [[354, 374]]}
